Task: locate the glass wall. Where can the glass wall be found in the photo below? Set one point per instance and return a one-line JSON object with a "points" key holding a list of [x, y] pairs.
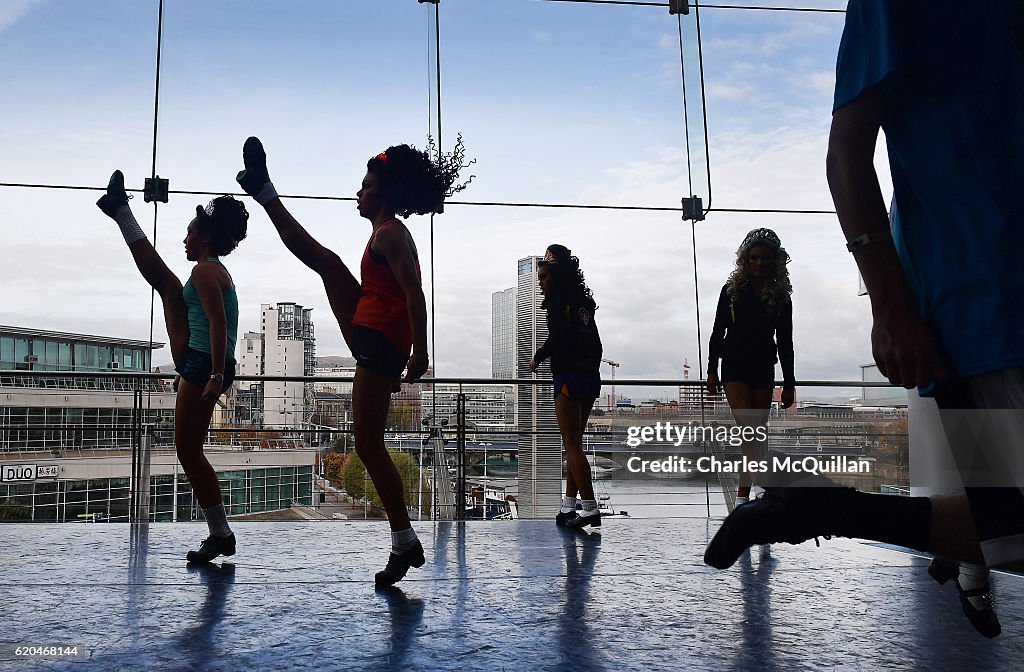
{"points": [[587, 122]]}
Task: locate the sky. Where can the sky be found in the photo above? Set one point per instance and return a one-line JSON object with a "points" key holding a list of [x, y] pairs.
{"points": [[557, 102]]}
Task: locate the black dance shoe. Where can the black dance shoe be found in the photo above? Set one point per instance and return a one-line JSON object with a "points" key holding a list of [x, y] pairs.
{"points": [[399, 564], [115, 197], [212, 547]]}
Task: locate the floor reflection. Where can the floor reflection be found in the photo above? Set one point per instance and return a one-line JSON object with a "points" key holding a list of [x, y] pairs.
{"points": [[137, 589], [199, 640], [444, 534], [574, 640], [757, 649], [406, 616]]}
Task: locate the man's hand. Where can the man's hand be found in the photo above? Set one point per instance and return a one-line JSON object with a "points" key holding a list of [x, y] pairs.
{"points": [[533, 365], [904, 347]]}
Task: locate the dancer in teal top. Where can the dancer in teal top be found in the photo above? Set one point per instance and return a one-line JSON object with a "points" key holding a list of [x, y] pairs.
{"points": [[199, 324], [202, 326]]}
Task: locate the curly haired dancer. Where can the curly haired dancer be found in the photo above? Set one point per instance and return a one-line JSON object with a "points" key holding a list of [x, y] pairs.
{"points": [[202, 325], [384, 318], [574, 346], [754, 309]]}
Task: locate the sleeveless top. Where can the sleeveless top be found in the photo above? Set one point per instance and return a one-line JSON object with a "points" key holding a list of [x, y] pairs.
{"points": [[199, 323], [382, 305]]}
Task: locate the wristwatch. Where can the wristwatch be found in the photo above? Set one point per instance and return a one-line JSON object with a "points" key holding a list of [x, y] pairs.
{"points": [[219, 377]]}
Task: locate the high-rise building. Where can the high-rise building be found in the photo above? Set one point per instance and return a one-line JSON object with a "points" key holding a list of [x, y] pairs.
{"points": [[284, 346], [503, 334], [540, 446]]}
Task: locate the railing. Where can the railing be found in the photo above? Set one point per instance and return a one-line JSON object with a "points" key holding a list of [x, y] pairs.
{"points": [[482, 450]]}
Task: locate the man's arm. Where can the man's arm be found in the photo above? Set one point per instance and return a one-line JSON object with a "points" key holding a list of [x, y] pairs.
{"points": [[902, 343]]}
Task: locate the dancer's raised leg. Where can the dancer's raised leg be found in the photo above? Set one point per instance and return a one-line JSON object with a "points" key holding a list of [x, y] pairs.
{"points": [[114, 204], [343, 290]]}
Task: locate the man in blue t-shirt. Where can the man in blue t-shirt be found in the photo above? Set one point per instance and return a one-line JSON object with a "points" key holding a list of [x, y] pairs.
{"points": [[945, 81]]}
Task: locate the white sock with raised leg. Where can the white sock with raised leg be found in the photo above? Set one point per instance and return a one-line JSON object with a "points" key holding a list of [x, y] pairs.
{"points": [[130, 228]]}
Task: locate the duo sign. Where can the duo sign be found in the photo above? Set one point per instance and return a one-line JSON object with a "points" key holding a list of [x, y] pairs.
{"points": [[27, 472]]}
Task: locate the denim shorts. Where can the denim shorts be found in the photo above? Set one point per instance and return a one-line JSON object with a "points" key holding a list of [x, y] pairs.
{"points": [[196, 369]]}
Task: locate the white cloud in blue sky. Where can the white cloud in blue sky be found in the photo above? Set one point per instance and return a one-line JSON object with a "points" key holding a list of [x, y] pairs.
{"points": [[559, 102]]}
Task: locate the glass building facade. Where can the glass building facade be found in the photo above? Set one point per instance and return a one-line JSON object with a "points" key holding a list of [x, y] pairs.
{"points": [[245, 491]]}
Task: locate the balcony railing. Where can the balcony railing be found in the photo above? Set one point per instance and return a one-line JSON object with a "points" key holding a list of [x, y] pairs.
{"points": [[86, 445]]}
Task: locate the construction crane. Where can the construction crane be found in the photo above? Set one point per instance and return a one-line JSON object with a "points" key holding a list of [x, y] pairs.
{"points": [[614, 366]]}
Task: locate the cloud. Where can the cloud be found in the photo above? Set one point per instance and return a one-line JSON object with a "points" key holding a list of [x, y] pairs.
{"points": [[541, 35], [12, 11]]}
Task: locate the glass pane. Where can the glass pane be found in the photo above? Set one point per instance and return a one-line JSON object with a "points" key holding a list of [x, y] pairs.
{"points": [[6, 352], [583, 98]]}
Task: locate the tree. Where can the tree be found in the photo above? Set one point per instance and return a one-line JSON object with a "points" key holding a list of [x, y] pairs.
{"points": [[357, 482], [400, 416], [334, 464]]}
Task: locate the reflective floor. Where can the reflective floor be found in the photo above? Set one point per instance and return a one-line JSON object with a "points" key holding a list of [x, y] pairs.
{"points": [[519, 595]]}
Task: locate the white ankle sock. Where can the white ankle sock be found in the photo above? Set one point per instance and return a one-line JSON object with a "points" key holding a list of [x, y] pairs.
{"points": [[589, 507], [130, 229], [217, 520], [402, 541], [267, 193], [568, 504]]}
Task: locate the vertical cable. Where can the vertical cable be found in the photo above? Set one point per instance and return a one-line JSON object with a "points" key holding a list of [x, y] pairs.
{"points": [[437, 57], [156, 121], [430, 93], [433, 275], [693, 234], [703, 101], [152, 292]]}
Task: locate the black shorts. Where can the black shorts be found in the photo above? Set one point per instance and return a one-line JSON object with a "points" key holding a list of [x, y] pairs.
{"points": [[196, 369], [759, 376], [578, 386], [375, 352]]}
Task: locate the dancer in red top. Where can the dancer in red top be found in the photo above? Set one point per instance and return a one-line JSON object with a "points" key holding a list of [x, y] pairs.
{"points": [[383, 319]]}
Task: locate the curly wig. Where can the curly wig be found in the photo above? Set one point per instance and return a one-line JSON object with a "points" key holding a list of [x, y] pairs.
{"points": [[777, 286], [416, 182]]}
